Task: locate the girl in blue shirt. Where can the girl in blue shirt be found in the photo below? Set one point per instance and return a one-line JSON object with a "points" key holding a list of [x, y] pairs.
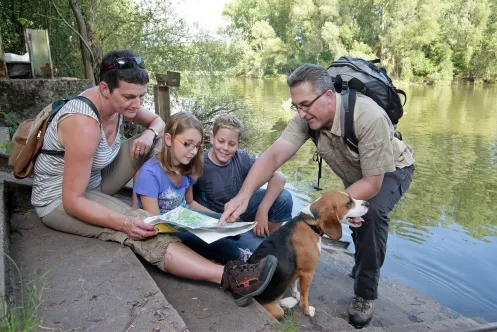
{"points": [[165, 182]]}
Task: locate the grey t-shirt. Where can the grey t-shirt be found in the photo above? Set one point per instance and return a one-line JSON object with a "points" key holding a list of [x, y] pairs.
{"points": [[218, 184]]}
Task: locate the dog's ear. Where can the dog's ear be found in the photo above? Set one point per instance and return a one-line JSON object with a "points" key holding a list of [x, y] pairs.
{"points": [[328, 218]]}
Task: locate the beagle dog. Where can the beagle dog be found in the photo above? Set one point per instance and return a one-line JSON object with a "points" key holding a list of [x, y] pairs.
{"points": [[297, 245]]}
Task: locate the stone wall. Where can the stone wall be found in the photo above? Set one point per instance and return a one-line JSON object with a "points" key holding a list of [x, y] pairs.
{"points": [[26, 97]]}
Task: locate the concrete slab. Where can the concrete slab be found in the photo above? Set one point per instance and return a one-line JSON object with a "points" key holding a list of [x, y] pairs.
{"points": [[4, 134], [398, 307], [206, 307], [5, 247], [84, 284], [90, 285]]}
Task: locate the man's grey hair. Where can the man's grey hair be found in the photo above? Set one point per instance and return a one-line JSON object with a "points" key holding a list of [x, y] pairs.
{"points": [[317, 75]]}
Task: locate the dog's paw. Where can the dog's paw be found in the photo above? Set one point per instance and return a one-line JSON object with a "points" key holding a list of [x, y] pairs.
{"points": [[312, 311], [289, 302], [296, 294]]}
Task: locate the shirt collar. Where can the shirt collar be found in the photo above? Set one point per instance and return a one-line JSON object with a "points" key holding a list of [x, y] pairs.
{"points": [[336, 128], [212, 161]]}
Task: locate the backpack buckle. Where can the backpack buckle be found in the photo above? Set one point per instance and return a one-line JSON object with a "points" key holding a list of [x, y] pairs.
{"points": [[345, 86]]}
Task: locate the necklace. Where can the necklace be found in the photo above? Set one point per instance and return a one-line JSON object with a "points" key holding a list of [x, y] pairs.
{"points": [[109, 118]]}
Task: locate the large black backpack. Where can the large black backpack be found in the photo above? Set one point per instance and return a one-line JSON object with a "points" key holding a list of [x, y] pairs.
{"points": [[352, 75]]}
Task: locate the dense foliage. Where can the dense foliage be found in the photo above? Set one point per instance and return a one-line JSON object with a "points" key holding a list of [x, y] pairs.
{"points": [[149, 27], [421, 41], [426, 41]]}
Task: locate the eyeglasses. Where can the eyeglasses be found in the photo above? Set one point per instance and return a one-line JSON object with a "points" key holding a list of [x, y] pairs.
{"points": [[125, 63], [190, 146], [306, 107]]}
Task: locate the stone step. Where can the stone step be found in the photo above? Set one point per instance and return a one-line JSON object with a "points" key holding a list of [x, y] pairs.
{"points": [[398, 307], [91, 285], [206, 307], [460, 324]]}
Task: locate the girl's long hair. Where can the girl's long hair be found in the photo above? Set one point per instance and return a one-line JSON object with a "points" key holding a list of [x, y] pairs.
{"points": [[177, 124]]}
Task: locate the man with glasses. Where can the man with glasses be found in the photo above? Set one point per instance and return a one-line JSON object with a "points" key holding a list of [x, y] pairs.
{"points": [[381, 172]]}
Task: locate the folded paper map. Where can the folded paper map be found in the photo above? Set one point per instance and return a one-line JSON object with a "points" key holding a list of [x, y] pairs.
{"points": [[206, 228]]}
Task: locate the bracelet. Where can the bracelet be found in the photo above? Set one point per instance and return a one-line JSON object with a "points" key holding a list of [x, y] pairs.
{"points": [[153, 130], [128, 224]]}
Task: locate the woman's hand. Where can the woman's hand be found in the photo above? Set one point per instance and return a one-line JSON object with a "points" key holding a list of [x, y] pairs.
{"points": [[141, 146], [137, 229]]}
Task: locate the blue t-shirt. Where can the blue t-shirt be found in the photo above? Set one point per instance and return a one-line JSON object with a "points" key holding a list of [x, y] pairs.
{"points": [[152, 181], [219, 184]]}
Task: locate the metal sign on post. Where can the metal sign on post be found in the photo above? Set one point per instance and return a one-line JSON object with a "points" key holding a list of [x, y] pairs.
{"points": [[162, 95], [38, 47]]}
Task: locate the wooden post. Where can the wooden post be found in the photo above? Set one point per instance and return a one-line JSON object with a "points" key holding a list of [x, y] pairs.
{"points": [[162, 95], [3, 67]]}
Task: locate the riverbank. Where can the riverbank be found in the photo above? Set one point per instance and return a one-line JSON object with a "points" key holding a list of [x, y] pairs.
{"points": [[95, 285]]}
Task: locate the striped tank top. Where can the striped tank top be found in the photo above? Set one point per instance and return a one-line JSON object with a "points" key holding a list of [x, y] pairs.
{"points": [[48, 170]]}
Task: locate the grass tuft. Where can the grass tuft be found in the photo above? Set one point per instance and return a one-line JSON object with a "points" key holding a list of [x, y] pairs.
{"points": [[24, 317], [288, 324]]}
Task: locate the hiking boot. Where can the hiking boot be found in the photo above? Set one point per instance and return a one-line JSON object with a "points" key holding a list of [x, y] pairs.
{"points": [[352, 273], [360, 312], [245, 281]]}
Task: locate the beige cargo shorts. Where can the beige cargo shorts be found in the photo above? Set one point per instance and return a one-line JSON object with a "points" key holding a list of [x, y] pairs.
{"points": [[114, 177]]}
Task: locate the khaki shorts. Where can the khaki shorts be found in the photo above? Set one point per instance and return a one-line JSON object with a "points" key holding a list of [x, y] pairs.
{"points": [[114, 177]]}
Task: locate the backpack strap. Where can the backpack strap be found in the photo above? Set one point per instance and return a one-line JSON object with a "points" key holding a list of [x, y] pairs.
{"points": [[400, 92], [314, 134], [56, 106], [349, 136], [89, 103], [357, 85]]}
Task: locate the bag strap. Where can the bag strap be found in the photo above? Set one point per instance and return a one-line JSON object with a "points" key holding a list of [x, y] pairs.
{"points": [[56, 106], [349, 136], [314, 134], [356, 84], [400, 92], [89, 103]]}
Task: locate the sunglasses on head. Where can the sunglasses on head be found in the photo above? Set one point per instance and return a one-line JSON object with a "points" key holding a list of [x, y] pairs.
{"points": [[125, 63]]}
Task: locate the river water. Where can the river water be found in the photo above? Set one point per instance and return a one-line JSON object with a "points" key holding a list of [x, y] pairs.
{"points": [[443, 233]]}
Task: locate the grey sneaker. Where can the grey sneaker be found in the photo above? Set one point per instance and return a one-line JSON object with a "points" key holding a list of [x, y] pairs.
{"points": [[360, 312]]}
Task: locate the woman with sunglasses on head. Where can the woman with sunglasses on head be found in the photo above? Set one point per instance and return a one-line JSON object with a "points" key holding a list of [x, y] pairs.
{"points": [[73, 193]]}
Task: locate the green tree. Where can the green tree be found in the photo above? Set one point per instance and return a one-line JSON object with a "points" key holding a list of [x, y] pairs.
{"points": [[464, 25], [484, 59]]}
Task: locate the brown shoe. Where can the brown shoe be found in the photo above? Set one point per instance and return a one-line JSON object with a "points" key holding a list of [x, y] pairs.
{"points": [[360, 312], [245, 281]]}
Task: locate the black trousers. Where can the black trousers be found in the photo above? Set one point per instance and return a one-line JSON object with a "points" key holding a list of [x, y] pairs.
{"points": [[370, 239]]}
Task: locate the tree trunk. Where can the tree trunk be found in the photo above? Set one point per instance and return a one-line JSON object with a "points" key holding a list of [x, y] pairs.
{"points": [[92, 39], [76, 8]]}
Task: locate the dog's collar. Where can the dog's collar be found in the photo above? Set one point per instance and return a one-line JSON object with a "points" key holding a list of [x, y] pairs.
{"points": [[315, 229]]}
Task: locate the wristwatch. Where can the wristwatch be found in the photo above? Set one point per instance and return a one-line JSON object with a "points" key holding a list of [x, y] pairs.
{"points": [[156, 134]]}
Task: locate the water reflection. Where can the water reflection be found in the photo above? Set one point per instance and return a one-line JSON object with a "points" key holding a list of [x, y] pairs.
{"points": [[443, 233]]}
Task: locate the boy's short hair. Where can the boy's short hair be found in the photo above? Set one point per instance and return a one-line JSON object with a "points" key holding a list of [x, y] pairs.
{"points": [[228, 121]]}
